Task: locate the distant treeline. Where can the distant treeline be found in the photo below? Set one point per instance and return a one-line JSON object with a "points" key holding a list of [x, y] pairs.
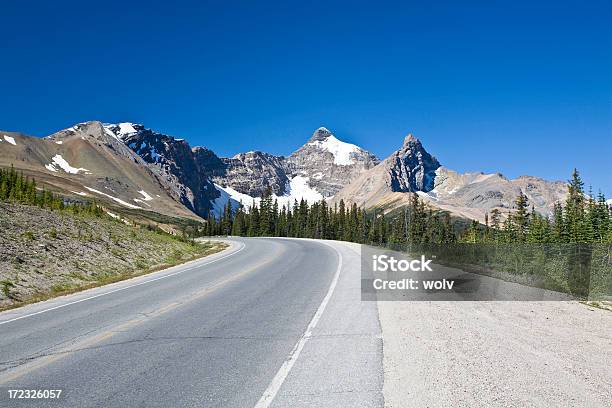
{"points": [[581, 219], [17, 188], [340, 222]]}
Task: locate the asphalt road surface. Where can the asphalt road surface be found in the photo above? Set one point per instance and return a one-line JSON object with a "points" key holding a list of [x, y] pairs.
{"points": [[268, 322]]}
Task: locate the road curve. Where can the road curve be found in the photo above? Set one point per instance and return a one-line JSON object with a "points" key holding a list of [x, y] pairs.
{"points": [[268, 322]]}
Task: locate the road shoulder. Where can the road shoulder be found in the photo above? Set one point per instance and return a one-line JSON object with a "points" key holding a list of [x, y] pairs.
{"points": [[447, 354]]}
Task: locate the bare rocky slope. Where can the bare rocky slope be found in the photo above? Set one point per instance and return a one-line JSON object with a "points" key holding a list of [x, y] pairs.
{"points": [[87, 161], [471, 195], [252, 173], [44, 253], [179, 167]]}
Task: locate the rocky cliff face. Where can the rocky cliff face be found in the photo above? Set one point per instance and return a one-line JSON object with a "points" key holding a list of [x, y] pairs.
{"points": [[411, 168], [328, 163], [252, 172], [173, 160], [208, 162], [317, 170]]}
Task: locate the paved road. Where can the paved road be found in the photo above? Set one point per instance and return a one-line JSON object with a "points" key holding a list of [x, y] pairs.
{"points": [[268, 322]]}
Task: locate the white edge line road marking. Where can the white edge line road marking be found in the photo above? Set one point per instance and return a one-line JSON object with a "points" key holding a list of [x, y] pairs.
{"points": [[280, 377], [123, 288]]}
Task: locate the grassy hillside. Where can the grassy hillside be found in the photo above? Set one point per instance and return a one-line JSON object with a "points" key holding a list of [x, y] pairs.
{"points": [[44, 252]]}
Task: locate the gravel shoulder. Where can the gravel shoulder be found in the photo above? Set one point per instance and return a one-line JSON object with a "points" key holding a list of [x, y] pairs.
{"points": [[496, 354]]}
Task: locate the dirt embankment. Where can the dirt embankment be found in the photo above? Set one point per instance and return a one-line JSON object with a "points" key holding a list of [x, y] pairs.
{"points": [[45, 253]]}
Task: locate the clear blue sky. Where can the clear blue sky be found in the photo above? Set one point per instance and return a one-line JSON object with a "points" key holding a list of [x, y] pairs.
{"points": [[516, 87]]}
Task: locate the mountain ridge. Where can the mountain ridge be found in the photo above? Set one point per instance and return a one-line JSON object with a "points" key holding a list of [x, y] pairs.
{"points": [[411, 169], [200, 181]]}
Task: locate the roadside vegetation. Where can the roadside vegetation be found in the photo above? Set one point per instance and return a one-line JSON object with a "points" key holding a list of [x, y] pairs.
{"points": [[50, 246]]}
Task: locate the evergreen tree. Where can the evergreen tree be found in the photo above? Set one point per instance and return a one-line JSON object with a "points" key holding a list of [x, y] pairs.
{"points": [[583, 219]]}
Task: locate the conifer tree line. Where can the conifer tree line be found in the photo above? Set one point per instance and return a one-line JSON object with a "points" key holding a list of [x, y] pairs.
{"points": [[17, 188], [581, 219], [340, 222]]}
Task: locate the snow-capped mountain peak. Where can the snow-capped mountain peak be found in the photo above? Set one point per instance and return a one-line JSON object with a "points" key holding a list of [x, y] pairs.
{"points": [[320, 134], [342, 151], [328, 162]]}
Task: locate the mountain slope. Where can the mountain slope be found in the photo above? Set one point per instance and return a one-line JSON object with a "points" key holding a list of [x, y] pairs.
{"points": [[317, 170], [473, 194], [252, 172], [411, 169], [87, 160], [173, 161], [328, 163]]}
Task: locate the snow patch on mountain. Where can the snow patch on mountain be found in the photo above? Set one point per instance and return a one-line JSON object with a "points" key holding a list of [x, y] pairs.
{"points": [[118, 200], [297, 189], [317, 176], [120, 131], [111, 133], [342, 151], [10, 139], [126, 128], [245, 199], [431, 195], [154, 155], [219, 203], [145, 195], [59, 161]]}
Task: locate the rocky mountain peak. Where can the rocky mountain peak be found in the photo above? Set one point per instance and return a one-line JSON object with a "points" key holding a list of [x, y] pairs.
{"points": [[410, 139], [411, 167], [320, 135]]}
